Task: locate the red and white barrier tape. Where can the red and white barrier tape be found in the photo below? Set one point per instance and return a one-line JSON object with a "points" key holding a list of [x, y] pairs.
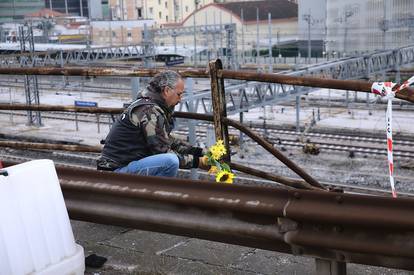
{"points": [[384, 89]]}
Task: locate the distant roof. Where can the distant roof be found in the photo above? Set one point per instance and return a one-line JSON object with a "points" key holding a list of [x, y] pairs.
{"points": [[280, 9], [46, 13]]}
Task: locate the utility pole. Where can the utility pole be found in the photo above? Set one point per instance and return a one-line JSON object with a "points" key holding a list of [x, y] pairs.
{"points": [[257, 36], [307, 17], [194, 30], [348, 14], [81, 8], [174, 36], [30, 81], [384, 25], [270, 42], [242, 20]]}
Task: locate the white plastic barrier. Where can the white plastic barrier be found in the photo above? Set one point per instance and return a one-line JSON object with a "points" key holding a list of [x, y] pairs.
{"points": [[35, 233]]}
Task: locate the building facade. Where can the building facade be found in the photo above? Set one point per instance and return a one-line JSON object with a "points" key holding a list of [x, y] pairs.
{"points": [[70, 7], [162, 11], [358, 26], [16, 9], [115, 33], [312, 26], [259, 24]]}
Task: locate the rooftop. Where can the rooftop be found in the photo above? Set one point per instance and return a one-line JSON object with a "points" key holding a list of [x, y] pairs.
{"points": [[279, 9]]}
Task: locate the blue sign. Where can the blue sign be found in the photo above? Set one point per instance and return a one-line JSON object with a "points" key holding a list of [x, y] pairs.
{"points": [[176, 61], [79, 103]]}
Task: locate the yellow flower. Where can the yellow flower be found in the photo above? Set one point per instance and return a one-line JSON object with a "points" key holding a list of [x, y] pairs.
{"points": [[224, 176], [213, 170], [218, 150]]}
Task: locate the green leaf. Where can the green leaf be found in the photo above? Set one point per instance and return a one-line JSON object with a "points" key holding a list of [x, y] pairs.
{"points": [[226, 167]]}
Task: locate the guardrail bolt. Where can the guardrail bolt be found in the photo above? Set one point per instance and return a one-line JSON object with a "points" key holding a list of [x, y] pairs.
{"points": [[4, 173], [340, 257], [339, 199]]}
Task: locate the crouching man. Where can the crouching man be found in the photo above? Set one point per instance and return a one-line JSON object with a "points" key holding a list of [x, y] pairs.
{"points": [[140, 140]]}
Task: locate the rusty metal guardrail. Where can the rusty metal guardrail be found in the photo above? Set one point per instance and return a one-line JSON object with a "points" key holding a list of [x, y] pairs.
{"points": [[290, 182], [352, 85], [337, 227], [333, 226]]}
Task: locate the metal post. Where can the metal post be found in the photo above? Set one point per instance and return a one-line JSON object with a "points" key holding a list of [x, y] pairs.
{"points": [[76, 121], [221, 34], [348, 14], [189, 84], [174, 35], [214, 37], [384, 25], [11, 102], [135, 81], [327, 267], [194, 31], [297, 114], [30, 81], [309, 41], [397, 74], [347, 100], [307, 17], [50, 5], [219, 104], [269, 16], [98, 123], [66, 7], [81, 7], [241, 133], [257, 37], [242, 27]]}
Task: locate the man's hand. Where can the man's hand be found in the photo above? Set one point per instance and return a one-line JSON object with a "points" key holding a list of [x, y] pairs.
{"points": [[202, 163]]}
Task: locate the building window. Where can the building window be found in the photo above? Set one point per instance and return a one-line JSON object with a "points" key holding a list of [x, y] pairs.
{"points": [[166, 18], [159, 2], [160, 15], [113, 34], [151, 10], [129, 34], [139, 13], [186, 8], [166, 5]]}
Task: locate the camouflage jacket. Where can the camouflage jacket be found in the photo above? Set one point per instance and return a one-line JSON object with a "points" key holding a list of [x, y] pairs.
{"points": [[156, 124], [144, 129]]}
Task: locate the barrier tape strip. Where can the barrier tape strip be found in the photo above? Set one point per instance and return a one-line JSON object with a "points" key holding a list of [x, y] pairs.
{"points": [[385, 89]]}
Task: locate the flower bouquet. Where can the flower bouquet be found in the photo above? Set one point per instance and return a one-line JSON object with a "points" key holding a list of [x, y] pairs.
{"points": [[221, 169]]}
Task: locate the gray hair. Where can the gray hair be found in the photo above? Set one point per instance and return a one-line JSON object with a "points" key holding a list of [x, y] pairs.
{"points": [[162, 80]]}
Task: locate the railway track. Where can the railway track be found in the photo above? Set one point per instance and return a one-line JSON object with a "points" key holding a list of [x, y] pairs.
{"points": [[282, 138], [87, 161]]}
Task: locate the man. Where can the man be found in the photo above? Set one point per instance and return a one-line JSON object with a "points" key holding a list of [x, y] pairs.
{"points": [[140, 142]]}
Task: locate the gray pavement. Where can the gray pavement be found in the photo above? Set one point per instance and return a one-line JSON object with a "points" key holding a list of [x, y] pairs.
{"points": [[139, 252]]}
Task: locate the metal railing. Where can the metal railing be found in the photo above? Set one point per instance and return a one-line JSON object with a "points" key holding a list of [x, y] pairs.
{"points": [[330, 226]]}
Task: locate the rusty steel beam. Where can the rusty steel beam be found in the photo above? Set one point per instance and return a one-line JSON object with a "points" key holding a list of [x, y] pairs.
{"points": [[339, 227], [290, 182], [60, 108], [99, 71], [353, 85], [218, 99], [50, 146], [266, 145], [275, 152]]}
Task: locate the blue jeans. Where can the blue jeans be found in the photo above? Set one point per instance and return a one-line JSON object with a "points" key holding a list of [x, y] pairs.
{"points": [[162, 165]]}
